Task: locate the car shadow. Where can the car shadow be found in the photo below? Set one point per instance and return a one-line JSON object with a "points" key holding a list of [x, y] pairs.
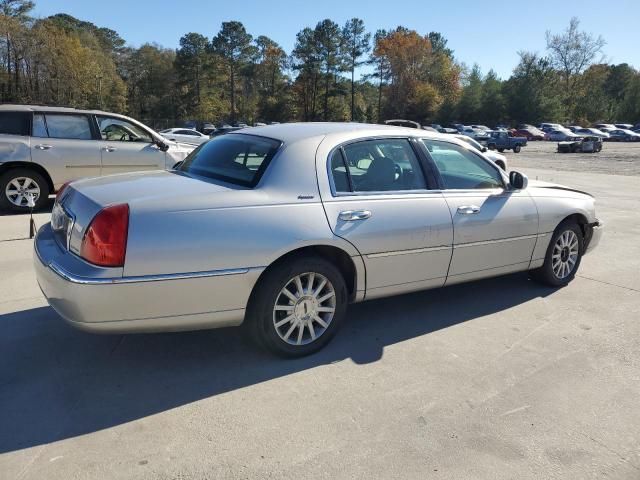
{"points": [[45, 208], [57, 382]]}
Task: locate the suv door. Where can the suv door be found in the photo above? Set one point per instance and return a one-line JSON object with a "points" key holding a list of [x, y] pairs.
{"points": [[65, 145], [127, 147], [378, 199], [494, 228]]}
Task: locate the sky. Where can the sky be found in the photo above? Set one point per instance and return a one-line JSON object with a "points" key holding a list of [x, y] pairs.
{"points": [[489, 32]]}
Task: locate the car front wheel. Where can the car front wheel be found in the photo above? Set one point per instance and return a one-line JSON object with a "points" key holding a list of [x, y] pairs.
{"points": [[18, 186], [297, 306], [563, 256]]}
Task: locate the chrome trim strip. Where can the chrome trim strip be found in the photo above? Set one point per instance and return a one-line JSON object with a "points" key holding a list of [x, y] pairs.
{"points": [[61, 272], [407, 252], [501, 240]]}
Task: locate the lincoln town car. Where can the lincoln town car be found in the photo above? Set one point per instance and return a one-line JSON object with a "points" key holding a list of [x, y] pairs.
{"points": [[278, 228]]}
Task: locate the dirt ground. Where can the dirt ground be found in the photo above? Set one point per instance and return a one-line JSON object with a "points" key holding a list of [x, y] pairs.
{"points": [[617, 158]]}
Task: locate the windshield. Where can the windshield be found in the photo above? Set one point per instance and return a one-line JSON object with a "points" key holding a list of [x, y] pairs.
{"points": [[239, 159]]}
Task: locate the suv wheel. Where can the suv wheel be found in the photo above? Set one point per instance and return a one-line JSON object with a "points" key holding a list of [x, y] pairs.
{"points": [[17, 185]]}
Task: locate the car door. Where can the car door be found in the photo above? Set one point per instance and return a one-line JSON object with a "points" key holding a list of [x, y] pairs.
{"points": [[65, 145], [380, 202], [126, 147], [494, 227]]}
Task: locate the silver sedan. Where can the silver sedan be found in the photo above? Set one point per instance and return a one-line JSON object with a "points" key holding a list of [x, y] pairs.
{"points": [[281, 227]]}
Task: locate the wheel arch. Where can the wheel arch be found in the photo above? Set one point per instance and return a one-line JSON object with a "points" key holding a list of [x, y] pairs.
{"points": [[351, 268], [5, 167]]}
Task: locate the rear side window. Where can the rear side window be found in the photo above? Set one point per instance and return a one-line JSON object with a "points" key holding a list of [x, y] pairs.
{"points": [[15, 123], [75, 127], [382, 165], [233, 158]]}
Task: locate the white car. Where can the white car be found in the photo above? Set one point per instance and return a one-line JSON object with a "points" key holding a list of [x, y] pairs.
{"points": [[42, 148], [592, 131], [497, 158], [476, 134], [186, 135]]}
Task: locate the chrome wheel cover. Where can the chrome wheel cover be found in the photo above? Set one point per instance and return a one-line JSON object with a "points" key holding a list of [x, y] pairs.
{"points": [[565, 254], [304, 308], [20, 189]]}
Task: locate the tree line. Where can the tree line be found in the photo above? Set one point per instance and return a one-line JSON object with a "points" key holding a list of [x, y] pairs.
{"points": [[234, 76]]}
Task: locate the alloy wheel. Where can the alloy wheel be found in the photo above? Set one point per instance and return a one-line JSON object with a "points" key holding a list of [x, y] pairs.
{"points": [[304, 308], [565, 254], [19, 190]]}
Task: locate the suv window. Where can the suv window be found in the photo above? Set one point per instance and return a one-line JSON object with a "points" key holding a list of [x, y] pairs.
{"points": [[69, 126], [239, 159], [377, 166], [118, 130], [461, 168], [15, 123]]}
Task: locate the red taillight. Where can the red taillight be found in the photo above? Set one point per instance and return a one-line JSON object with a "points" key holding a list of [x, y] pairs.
{"points": [[61, 190], [105, 241]]}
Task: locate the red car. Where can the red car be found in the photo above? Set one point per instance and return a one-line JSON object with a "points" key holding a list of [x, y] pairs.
{"points": [[529, 134]]}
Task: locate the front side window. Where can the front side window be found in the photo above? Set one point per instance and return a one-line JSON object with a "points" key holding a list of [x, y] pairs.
{"points": [[118, 130], [69, 126], [461, 168], [234, 158], [14, 123], [377, 166], [39, 126]]}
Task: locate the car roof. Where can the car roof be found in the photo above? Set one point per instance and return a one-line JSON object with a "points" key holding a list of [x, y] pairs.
{"points": [[293, 132], [49, 108]]}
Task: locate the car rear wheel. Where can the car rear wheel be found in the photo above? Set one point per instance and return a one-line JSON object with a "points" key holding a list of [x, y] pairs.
{"points": [[563, 256], [18, 185], [297, 306]]}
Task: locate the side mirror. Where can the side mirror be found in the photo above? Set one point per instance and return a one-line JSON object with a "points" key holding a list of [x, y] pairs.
{"points": [[162, 146], [518, 181], [484, 149]]}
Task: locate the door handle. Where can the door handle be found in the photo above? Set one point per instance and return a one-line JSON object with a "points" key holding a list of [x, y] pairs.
{"points": [[351, 215], [110, 149], [468, 209], [43, 147]]}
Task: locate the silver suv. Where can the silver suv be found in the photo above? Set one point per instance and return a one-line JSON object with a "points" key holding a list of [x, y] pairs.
{"points": [[42, 148]]}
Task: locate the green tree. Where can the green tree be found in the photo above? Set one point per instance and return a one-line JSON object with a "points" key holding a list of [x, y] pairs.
{"points": [[570, 53], [356, 42], [233, 45], [328, 40]]}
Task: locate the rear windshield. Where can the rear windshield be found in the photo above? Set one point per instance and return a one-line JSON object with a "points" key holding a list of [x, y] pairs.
{"points": [[15, 123], [239, 159]]}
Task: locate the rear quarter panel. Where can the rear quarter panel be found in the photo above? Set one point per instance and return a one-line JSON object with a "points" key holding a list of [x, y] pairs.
{"points": [[251, 230]]}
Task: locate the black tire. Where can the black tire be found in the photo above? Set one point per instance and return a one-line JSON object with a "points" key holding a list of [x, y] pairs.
{"points": [[517, 149], [491, 146], [501, 150], [261, 317], [7, 205], [546, 274]]}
